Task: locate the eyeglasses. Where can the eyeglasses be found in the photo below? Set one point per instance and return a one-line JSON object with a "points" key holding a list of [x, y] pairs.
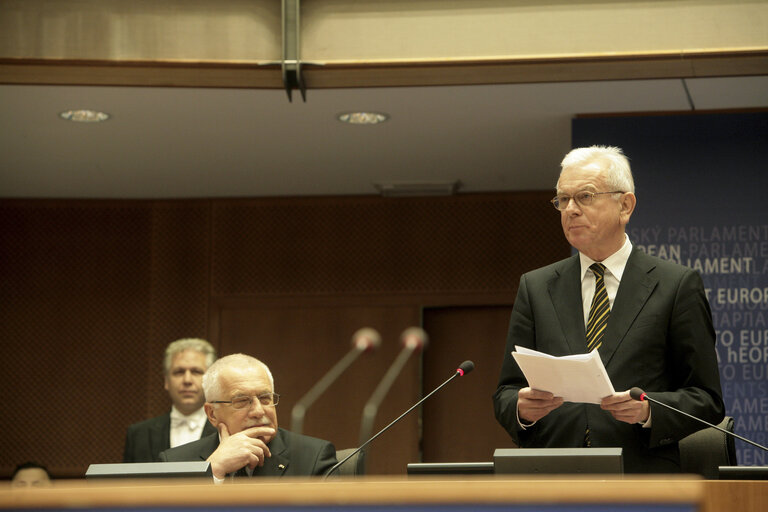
{"points": [[583, 198], [241, 402]]}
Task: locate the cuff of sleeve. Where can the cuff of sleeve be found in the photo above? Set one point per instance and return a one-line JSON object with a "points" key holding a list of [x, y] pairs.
{"points": [[647, 423], [525, 425]]}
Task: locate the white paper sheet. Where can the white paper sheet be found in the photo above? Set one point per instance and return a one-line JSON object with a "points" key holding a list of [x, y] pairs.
{"points": [[576, 378]]}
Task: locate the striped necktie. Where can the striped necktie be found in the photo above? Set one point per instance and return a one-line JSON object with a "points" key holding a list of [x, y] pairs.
{"points": [[600, 309], [599, 312]]}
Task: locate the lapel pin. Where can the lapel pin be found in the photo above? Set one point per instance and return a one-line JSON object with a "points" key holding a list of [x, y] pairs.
{"points": [[281, 466]]}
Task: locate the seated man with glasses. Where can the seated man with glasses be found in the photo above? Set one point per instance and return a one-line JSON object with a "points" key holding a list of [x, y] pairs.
{"points": [[240, 403]]}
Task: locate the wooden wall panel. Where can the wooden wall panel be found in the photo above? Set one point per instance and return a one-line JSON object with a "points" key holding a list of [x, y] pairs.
{"points": [[74, 289], [362, 245], [459, 425], [92, 291], [180, 287], [301, 343]]}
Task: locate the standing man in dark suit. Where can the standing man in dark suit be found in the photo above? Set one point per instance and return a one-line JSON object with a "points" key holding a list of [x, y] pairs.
{"points": [[185, 362], [240, 403], [659, 334]]}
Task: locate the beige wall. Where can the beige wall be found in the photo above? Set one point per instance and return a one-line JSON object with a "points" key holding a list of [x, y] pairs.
{"points": [[238, 43], [393, 30], [439, 29]]}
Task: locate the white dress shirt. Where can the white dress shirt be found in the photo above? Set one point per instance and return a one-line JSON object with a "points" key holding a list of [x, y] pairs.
{"points": [[614, 269], [185, 429]]}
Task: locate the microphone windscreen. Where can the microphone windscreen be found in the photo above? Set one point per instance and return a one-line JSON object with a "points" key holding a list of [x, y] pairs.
{"points": [[466, 367], [366, 339], [414, 338], [637, 393]]}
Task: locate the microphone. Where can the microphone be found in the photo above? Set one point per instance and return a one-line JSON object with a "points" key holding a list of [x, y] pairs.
{"points": [[363, 340], [640, 395], [463, 369], [412, 339]]}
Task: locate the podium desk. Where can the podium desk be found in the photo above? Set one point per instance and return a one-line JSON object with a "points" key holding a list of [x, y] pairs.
{"points": [[395, 494]]}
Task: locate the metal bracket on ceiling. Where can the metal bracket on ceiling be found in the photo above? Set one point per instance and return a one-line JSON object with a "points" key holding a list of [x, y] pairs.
{"points": [[291, 63]]}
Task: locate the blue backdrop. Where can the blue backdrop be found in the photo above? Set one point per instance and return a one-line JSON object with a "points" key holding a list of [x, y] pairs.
{"points": [[702, 187]]}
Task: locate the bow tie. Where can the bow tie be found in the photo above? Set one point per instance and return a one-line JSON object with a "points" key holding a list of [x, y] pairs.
{"points": [[181, 422]]}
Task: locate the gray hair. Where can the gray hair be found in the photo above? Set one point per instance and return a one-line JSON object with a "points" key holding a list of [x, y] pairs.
{"points": [[212, 377], [611, 160], [196, 344]]}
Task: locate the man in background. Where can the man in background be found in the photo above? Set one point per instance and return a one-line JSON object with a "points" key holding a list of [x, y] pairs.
{"points": [[648, 318], [185, 362], [30, 474], [241, 403]]}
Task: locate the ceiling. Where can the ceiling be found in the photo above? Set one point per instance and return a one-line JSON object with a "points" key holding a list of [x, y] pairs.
{"points": [[188, 142]]}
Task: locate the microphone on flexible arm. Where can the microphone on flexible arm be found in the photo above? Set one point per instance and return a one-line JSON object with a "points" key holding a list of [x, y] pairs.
{"points": [[640, 395], [363, 340], [463, 369], [412, 340]]}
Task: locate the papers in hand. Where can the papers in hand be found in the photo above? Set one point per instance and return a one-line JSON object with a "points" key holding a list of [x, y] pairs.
{"points": [[576, 378]]}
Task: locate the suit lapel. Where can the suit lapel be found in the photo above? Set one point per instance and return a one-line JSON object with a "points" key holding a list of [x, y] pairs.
{"points": [[634, 290], [208, 445], [565, 293], [208, 429], [277, 464], [161, 434]]}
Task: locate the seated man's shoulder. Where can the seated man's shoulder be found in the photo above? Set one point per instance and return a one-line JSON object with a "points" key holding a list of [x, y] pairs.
{"points": [[301, 438], [150, 422], [196, 450]]}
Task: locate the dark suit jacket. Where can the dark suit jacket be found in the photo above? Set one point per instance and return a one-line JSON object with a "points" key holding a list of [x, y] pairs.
{"points": [[659, 337], [145, 440], [292, 454]]}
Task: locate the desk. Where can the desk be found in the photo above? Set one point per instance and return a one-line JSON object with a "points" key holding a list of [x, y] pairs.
{"points": [[398, 494]]}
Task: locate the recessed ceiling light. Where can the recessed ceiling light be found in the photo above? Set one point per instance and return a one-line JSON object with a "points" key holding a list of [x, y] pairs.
{"points": [[84, 116], [363, 117]]}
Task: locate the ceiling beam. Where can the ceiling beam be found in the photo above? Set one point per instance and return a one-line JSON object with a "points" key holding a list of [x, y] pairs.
{"points": [[269, 75]]}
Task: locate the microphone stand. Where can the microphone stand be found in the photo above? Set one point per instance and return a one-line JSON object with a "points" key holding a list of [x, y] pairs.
{"points": [[369, 441], [363, 340], [653, 400], [372, 406]]}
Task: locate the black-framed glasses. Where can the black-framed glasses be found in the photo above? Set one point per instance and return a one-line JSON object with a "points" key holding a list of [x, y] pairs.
{"points": [[582, 198], [241, 402]]}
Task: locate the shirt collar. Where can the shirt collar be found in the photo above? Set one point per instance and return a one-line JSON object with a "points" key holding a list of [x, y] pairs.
{"points": [[198, 416], [615, 263]]}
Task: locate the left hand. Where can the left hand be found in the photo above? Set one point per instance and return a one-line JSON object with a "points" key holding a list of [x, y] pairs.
{"points": [[625, 408]]}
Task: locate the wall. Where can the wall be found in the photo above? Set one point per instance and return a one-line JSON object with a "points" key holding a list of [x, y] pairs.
{"points": [[372, 43], [92, 291]]}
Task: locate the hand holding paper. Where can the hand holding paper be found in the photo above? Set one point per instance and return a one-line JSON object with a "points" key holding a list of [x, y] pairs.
{"points": [[575, 378]]}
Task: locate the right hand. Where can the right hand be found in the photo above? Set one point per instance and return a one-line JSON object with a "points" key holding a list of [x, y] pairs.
{"points": [[246, 448], [533, 404]]}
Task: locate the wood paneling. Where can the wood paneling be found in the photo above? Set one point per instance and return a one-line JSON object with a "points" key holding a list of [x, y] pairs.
{"points": [[301, 343], [92, 291], [459, 425], [75, 295], [371, 246], [180, 277]]}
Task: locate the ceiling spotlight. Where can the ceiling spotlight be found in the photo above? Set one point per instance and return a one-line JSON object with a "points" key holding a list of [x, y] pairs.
{"points": [[84, 116], [363, 117]]}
